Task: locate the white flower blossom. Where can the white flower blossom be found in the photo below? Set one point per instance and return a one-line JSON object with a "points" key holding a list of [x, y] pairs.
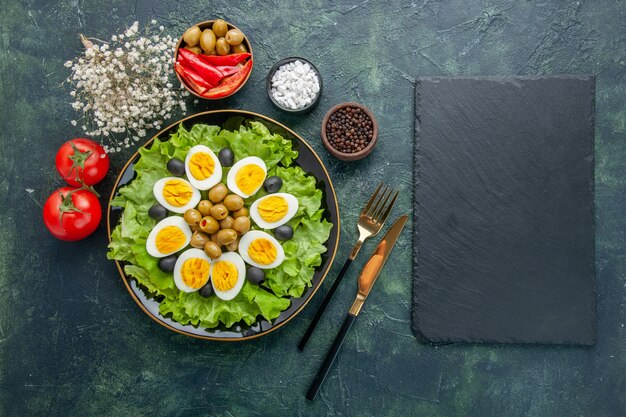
{"points": [[125, 86]]}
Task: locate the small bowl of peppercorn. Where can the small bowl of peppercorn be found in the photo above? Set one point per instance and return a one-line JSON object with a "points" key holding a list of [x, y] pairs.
{"points": [[349, 131]]}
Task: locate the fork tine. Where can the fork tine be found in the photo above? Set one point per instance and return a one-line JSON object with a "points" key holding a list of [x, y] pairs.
{"points": [[389, 207], [378, 201], [372, 198], [383, 206]]}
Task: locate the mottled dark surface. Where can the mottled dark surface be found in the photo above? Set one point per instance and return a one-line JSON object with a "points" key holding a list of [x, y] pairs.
{"points": [[73, 343], [503, 214]]}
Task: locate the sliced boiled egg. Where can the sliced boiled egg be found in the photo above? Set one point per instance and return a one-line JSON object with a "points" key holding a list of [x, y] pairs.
{"points": [[176, 194], [228, 273], [192, 270], [274, 210], [246, 176], [261, 249], [168, 236], [202, 167]]}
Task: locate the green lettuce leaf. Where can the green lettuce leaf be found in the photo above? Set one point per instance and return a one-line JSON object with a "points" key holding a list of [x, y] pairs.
{"points": [[302, 252]]}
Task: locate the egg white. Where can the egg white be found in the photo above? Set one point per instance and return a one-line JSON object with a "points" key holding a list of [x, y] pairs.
{"points": [[230, 179], [178, 277], [158, 194], [292, 208], [214, 179], [248, 238], [235, 259], [168, 221]]}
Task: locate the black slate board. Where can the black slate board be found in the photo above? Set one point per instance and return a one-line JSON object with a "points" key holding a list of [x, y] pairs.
{"points": [[503, 214]]}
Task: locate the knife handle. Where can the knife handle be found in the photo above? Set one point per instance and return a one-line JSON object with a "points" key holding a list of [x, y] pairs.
{"points": [[330, 357], [322, 307]]}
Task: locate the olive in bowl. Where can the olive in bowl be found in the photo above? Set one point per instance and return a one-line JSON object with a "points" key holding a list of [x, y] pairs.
{"points": [[217, 61]]}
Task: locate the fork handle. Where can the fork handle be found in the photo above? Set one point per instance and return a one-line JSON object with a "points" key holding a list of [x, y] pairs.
{"points": [[330, 357], [322, 307], [356, 249]]}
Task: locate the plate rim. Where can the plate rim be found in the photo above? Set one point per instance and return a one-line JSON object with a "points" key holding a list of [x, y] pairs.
{"points": [[125, 280]]}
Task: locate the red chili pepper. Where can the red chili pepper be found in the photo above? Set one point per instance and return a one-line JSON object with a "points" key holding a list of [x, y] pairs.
{"points": [[229, 84], [193, 61], [192, 79], [227, 70], [224, 60]]}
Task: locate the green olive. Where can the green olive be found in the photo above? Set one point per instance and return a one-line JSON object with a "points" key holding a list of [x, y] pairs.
{"points": [[222, 47], [211, 52], [217, 193], [238, 49], [241, 212], [209, 225], [192, 217], [194, 49], [213, 237], [207, 40], [204, 207], [233, 246], [227, 223], [220, 27], [192, 36], [233, 202], [212, 250], [219, 212], [234, 37], [226, 236], [198, 240], [241, 224]]}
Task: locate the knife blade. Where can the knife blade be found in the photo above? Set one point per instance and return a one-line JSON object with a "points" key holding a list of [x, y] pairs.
{"points": [[367, 279]]}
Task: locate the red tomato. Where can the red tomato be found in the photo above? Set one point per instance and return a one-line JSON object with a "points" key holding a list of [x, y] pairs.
{"points": [[72, 213], [82, 162]]}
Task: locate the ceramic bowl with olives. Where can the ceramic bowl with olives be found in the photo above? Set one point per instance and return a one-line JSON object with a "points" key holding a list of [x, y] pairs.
{"points": [[215, 37]]}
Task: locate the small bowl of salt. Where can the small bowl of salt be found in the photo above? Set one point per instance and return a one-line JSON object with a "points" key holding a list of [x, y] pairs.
{"points": [[294, 85]]}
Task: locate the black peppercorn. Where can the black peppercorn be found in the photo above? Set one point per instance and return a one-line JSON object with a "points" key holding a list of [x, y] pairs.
{"points": [[349, 130]]}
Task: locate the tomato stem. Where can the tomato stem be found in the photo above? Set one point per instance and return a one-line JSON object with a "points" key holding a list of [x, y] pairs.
{"points": [[78, 161], [67, 205], [87, 187]]}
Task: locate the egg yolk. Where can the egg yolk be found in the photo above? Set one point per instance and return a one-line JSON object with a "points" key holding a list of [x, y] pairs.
{"points": [[262, 251], [169, 239], [177, 192], [249, 178], [272, 209], [224, 275], [201, 165], [195, 272]]}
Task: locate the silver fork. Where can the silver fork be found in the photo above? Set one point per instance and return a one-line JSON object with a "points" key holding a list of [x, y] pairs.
{"points": [[371, 221]]}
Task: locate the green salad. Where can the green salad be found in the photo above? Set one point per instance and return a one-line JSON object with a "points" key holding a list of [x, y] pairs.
{"points": [[302, 252]]}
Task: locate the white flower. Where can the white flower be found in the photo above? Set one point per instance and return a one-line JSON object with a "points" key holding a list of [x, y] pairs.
{"points": [[125, 87]]}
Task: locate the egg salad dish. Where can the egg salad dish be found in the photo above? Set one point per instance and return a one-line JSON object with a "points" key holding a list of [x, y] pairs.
{"points": [[220, 225]]}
